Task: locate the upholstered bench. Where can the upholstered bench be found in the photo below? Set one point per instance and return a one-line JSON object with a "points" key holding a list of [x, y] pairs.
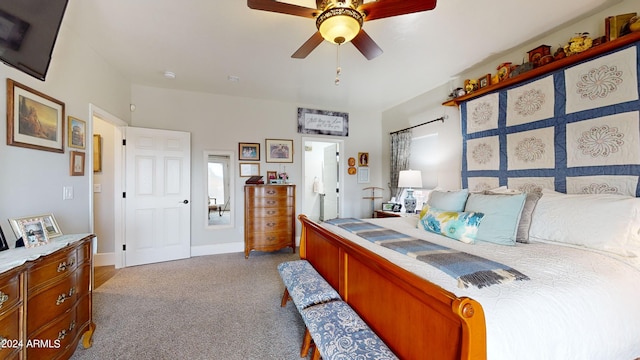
{"points": [[306, 287], [339, 333]]}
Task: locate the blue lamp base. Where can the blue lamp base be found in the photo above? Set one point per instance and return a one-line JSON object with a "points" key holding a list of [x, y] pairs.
{"points": [[410, 202]]}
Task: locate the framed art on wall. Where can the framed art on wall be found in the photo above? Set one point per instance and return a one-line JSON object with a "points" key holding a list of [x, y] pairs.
{"points": [[34, 120], [322, 122], [76, 163], [249, 151], [249, 169], [76, 132], [97, 153], [3, 241], [279, 150]]}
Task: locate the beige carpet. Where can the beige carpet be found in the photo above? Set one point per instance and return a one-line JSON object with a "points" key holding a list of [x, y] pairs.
{"points": [[209, 307]]}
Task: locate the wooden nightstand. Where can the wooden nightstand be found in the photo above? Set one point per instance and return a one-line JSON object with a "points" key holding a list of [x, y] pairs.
{"points": [[386, 214]]}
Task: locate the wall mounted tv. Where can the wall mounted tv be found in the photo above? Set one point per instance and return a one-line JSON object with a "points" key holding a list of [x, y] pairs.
{"points": [[28, 32]]}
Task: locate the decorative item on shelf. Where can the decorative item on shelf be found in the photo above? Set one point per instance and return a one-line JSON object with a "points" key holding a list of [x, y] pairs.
{"points": [[410, 179], [614, 26], [504, 70], [559, 53], [634, 24], [457, 92], [538, 53], [578, 44], [521, 69], [484, 81], [599, 41], [470, 85], [495, 79], [546, 60]]}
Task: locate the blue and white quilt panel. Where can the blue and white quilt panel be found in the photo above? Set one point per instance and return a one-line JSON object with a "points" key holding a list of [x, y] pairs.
{"points": [[575, 130]]}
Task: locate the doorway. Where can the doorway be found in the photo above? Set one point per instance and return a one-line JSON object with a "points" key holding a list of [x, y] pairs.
{"points": [[321, 193]]}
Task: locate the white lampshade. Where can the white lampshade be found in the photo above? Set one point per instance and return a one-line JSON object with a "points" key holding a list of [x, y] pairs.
{"points": [[410, 179]]}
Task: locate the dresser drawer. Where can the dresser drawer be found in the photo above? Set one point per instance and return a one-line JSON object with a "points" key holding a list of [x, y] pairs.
{"points": [[268, 239], [48, 304], [269, 212], [55, 336], [10, 291], [261, 202], [270, 224], [270, 191], [10, 333], [52, 267]]}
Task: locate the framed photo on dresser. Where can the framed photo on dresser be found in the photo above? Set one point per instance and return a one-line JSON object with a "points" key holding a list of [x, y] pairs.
{"points": [[3, 241]]}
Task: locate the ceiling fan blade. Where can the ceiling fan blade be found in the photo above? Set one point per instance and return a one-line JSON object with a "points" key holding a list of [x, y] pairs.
{"points": [[387, 8], [283, 8], [365, 44], [306, 48]]}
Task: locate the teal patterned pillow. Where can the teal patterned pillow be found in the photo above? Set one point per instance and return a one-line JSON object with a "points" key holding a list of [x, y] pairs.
{"points": [[457, 225]]}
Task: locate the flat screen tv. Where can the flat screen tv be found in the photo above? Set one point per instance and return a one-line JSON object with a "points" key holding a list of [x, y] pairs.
{"points": [[28, 32]]}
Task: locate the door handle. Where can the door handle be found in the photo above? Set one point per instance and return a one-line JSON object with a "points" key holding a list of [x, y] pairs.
{"points": [[185, 201]]}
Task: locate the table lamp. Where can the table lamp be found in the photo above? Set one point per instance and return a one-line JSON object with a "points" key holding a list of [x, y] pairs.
{"points": [[409, 179]]}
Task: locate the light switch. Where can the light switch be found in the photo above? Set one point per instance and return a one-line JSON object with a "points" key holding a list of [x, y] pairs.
{"points": [[97, 188], [67, 192]]}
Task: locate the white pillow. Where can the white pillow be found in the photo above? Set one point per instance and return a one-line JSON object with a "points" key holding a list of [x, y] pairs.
{"points": [[597, 221]]}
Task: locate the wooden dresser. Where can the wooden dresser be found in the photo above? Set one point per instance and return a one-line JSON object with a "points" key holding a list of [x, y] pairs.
{"points": [[269, 217], [46, 304]]}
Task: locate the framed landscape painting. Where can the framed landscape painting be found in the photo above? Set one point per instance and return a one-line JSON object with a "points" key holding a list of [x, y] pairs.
{"points": [[34, 120]]}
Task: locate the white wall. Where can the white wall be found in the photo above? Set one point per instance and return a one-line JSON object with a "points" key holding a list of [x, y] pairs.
{"points": [[220, 122], [103, 200], [32, 180]]}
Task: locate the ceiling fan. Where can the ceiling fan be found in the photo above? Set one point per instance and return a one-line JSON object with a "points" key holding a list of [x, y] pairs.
{"points": [[340, 21]]}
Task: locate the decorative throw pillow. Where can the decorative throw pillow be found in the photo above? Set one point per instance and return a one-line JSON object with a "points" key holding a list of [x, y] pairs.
{"points": [[501, 216], [462, 226], [522, 235], [448, 200]]}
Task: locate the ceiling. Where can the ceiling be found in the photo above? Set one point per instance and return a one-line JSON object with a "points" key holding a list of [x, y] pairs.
{"points": [[207, 42]]}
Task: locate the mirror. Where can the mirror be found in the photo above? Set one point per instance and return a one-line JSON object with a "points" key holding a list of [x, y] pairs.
{"points": [[218, 170]]}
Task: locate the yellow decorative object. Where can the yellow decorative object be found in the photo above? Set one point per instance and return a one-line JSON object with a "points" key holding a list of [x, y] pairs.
{"points": [[578, 44], [634, 23]]}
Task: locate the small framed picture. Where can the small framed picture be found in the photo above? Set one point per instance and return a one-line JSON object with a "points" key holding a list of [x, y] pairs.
{"points": [[249, 151], [484, 81], [272, 175], [34, 232], [279, 150], [97, 153], [387, 206], [76, 165], [50, 223], [76, 132], [363, 159], [363, 175], [3, 241], [397, 207], [249, 169]]}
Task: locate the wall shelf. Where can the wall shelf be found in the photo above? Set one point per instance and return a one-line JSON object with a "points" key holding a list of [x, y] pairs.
{"points": [[553, 66]]}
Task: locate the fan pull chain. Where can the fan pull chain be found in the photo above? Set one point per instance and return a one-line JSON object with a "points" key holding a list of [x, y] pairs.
{"points": [[338, 68]]}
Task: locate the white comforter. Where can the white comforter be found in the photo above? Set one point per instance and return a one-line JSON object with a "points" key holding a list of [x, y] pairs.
{"points": [[578, 304]]}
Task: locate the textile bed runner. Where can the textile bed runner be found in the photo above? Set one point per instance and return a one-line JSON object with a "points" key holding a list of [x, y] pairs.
{"points": [[468, 269]]}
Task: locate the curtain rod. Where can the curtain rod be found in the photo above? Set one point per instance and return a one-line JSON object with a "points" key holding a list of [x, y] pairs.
{"points": [[424, 123]]}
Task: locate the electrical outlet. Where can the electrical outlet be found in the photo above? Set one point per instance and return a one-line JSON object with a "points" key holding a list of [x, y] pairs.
{"points": [[97, 188]]}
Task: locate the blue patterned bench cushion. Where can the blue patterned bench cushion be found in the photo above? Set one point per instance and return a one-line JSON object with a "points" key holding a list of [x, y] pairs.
{"points": [[339, 333], [305, 285]]}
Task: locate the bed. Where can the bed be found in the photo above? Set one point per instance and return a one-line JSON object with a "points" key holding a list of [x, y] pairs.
{"points": [[580, 301]]}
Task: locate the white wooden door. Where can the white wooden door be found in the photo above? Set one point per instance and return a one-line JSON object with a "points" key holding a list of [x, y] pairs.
{"points": [[157, 195], [330, 180]]}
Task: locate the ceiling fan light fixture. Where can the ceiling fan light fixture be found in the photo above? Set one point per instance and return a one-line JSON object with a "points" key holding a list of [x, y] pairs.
{"points": [[339, 24]]}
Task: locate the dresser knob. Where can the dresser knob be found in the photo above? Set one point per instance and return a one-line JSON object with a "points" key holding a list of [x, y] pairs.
{"points": [[271, 212], [63, 266], [3, 298], [271, 202], [64, 297]]}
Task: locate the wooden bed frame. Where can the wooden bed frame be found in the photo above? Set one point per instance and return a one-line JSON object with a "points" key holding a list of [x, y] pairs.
{"points": [[414, 317]]}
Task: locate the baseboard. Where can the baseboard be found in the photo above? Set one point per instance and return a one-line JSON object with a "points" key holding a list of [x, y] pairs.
{"points": [[104, 259], [226, 248]]}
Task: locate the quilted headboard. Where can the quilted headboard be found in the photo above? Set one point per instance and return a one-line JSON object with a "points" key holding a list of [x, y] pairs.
{"points": [[575, 130]]}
